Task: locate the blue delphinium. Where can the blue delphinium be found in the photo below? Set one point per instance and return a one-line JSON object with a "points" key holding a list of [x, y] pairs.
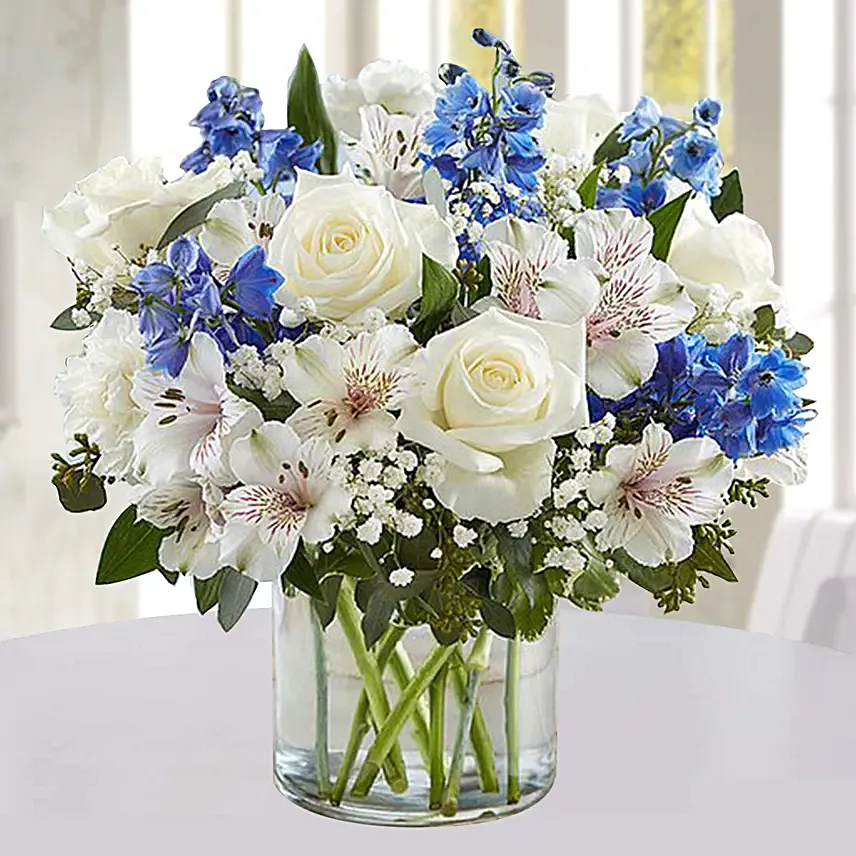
{"points": [[743, 398], [697, 160], [644, 117], [483, 142], [181, 296], [707, 112], [232, 121]]}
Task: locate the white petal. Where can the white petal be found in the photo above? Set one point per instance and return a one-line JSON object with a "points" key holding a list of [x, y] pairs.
{"points": [[513, 492], [618, 366], [226, 234], [787, 467], [660, 539], [568, 292], [435, 235], [243, 550], [315, 370], [257, 457]]}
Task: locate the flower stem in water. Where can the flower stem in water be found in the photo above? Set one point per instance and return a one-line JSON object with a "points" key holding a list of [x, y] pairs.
{"points": [[512, 735], [437, 765], [402, 672], [322, 700]]}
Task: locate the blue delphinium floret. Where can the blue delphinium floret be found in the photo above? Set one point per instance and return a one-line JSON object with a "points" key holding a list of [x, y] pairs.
{"points": [[707, 112], [643, 118], [696, 159], [181, 296]]}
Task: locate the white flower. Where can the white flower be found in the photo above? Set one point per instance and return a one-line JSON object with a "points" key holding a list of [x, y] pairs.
{"points": [[396, 87], [370, 531], [191, 422], [581, 459], [654, 492], [234, 226], [351, 247], [566, 492], [388, 148], [787, 467], [408, 525], [407, 460], [577, 125], [595, 520], [394, 477], [603, 430], [401, 577], [567, 558], [531, 273], [641, 301], [566, 528], [95, 389], [193, 548], [463, 536], [348, 390], [80, 317], [287, 493], [727, 268], [518, 528], [493, 393], [370, 469], [125, 205], [585, 435]]}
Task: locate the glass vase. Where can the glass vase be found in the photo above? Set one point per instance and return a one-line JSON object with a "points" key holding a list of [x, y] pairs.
{"points": [[409, 732]]}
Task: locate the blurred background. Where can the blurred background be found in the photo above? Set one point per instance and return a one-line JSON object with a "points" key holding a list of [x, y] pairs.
{"points": [[86, 80]]}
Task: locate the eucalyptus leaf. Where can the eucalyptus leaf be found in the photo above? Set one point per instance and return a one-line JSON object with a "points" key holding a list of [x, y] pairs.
{"points": [[131, 549], [765, 322], [729, 200], [588, 188], [194, 215], [708, 558], [63, 321], [439, 294], [611, 149], [665, 221], [799, 345], [77, 496], [236, 592], [307, 113], [208, 591]]}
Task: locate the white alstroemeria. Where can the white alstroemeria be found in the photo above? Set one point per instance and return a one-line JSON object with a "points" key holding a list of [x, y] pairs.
{"points": [[95, 389], [787, 467], [396, 87], [192, 421], [727, 268], [348, 390], [287, 492], [234, 226], [193, 548], [641, 301], [387, 151], [532, 274], [654, 492]]}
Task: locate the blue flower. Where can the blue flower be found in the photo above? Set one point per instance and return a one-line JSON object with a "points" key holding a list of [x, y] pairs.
{"points": [[254, 283], [521, 107], [230, 138], [155, 279], [777, 434], [488, 40], [282, 153], [770, 384], [707, 112], [638, 157], [697, 160], [449, 72], [734, 429], [672, 127], [168, 351], [645, 116], [637, 196]]}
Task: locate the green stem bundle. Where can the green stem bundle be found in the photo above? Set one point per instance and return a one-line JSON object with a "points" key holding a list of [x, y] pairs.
{"points": [[437, 760], [322, 702], [512, 712]]}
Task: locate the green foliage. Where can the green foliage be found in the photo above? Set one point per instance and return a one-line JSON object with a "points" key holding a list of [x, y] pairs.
{"points": [[302, 573], [276, 410], [730, 197], [63, 321], [194, 215], [611, 149], [747, 491], [665, 221], [131, 549], [307, 113], [439, 293], [798, 345], [236, 592], [594, 586], [326, 609], [588, 187], [78, 487], [170, 576], [532, 613], [765, 323], [208, 591]]}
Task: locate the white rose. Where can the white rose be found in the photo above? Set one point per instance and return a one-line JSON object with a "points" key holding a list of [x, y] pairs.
{"points": [[493, 392], [351, 247], [95, 389], [393, 85], [727, 268], [577, 125], [125, 205]]}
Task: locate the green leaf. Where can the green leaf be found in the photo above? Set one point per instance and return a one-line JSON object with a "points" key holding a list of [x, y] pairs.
{"points": [[486, 282], [439, 293], [653, 580], [415, 553], [131, 549], [706, 557], [236, 592], [730, 197], [531, 615], [307, 113], [302, 574], [77, 497], [765, 322], [611, 149], [208, 591], [595, 585], [194, 215], [376, 618], [516, 556], [588, 188], [498, 618], [170, 576], [799, 345], [665, 220], [277, 410], [326, 609], [63, 321]]}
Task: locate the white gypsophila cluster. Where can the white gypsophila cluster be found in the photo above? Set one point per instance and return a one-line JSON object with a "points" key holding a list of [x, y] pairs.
{"points": [[433, 469], [463, 536], [303, 310], [568, 559], [566, 528], [518, 528], [558, 187], [401, 577], [244, 168], [99, 288], [264, 372]]}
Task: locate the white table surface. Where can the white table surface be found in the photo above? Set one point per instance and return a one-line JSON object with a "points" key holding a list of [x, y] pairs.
{"points": [[673, 738]]}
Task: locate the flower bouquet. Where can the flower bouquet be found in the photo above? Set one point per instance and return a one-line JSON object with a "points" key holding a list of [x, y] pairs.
{"points": [[431, 359]]}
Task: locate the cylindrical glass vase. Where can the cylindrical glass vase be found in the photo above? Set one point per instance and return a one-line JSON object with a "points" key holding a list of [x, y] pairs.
{"points": [[409, 732]]}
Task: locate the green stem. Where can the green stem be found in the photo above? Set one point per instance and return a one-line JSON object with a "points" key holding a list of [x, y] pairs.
{"points": [[450, 794], [512, 736], [348, 614], [479, 734], [402, 672], [322, 701], [387, 736], [436, 767], [361, 721]]}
